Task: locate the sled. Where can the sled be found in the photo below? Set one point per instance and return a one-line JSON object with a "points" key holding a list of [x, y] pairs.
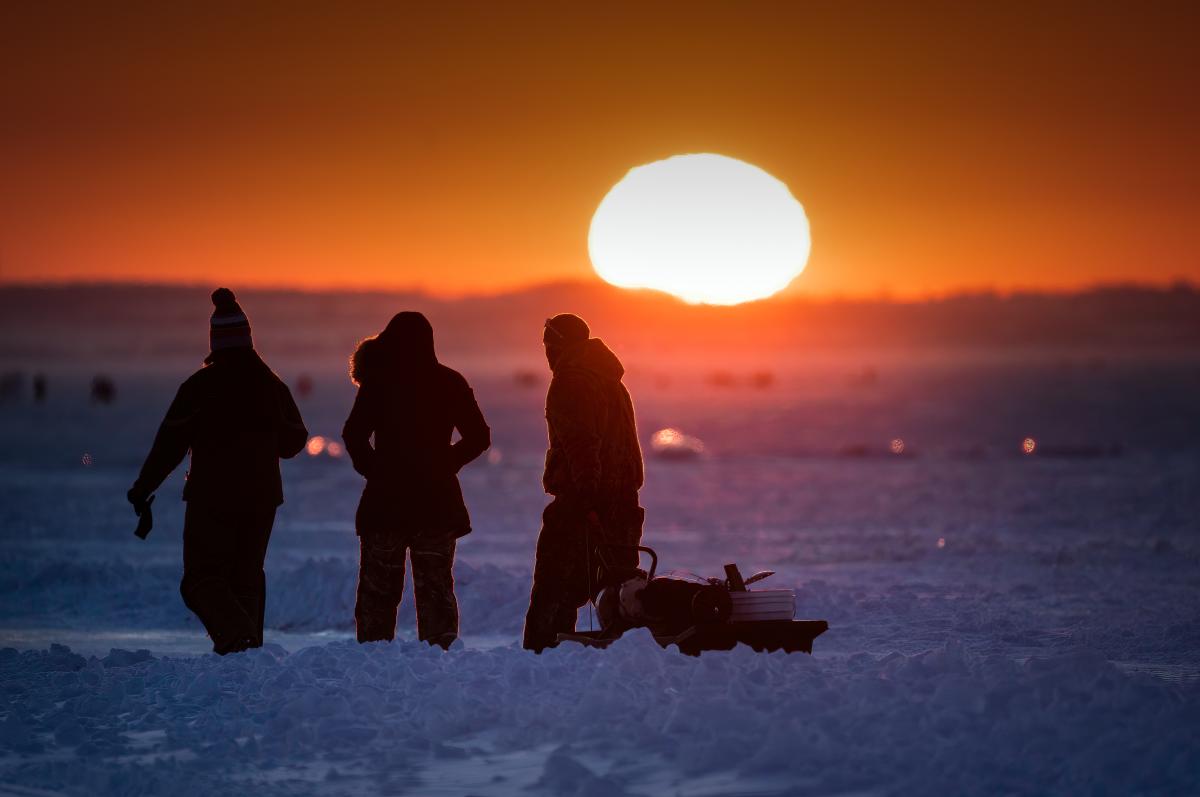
{"points": [[697, 614], [790, 636]]}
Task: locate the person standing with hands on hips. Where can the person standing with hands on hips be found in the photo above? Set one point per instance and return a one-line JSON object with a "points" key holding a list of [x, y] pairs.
{"points": [[412, 507]]}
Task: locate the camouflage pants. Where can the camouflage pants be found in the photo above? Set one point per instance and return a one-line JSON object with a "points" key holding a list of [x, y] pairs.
{"points": [[381, 585], [575, 561]]}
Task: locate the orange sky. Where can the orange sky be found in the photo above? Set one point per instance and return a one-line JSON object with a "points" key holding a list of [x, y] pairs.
{"points": [[463, 147]]}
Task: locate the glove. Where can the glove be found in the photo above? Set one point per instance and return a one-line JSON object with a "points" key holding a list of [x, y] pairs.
{"points": [[138, 498]]}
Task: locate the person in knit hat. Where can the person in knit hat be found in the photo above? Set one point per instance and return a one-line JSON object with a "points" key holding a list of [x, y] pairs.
{"points": [[236, 418], [594, 471], [228, 328], [412, 506]]}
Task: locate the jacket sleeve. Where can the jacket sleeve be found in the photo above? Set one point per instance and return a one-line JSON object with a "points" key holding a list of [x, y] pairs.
{"points": [[173, 440], [357, 431], [476, 437], [292, 432], [571, 413]]}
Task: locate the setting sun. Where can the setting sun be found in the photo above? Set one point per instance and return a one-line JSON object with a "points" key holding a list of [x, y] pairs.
{"points": [[706, 228]]}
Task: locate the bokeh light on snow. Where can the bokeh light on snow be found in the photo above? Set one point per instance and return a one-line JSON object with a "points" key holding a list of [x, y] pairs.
{"points": [[318, 445], [673, 444]]}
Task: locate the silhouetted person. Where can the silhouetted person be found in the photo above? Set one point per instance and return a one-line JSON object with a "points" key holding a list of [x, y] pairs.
{"points": [[594, 472], [39, 388], [412, 503], [104, 390], [237, 418], [11, 385]]}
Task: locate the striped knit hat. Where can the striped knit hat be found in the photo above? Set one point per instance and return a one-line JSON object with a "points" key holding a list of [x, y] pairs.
{"points": [[229, 327]]}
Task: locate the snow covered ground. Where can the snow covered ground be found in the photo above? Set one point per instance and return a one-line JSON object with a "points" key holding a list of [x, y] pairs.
{"points": [[999, 622]]}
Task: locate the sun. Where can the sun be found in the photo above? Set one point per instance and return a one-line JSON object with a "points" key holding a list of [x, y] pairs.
{"points": [[706, 228]]}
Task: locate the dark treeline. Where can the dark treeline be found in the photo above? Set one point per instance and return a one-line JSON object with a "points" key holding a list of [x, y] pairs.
{"points": [[143, 321]]}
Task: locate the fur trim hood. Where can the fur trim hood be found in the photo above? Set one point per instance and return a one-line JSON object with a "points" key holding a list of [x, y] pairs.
{"points": [[403, 347]]}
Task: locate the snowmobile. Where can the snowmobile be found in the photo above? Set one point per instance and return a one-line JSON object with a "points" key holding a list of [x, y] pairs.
{"points": [[697, 614]]}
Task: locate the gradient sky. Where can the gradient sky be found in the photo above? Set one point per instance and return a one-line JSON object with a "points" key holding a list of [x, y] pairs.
{"points": [[462, 148]]}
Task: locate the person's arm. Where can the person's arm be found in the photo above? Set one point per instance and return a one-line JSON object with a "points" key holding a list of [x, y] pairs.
{"points": [[292, 432], [171, 444], [475, 436], [571, 411], [357, 431]]}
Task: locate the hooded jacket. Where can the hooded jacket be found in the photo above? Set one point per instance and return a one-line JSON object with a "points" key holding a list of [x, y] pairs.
{"points": [[412, 404], [237, 418], [594, 451]]}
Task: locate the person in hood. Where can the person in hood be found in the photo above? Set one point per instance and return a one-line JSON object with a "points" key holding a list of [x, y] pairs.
{"points": [[412, 503], [237, 418], [594, 471]]}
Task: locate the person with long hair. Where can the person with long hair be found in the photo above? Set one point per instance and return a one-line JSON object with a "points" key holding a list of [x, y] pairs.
{"points": [[412, 505]]}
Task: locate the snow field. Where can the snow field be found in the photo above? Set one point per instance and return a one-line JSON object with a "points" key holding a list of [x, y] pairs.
{"points": [[387, 718], [999, 623]]}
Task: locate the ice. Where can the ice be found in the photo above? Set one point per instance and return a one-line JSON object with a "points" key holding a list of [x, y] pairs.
{"points": [[563, 775], [944, 718], [998, 623], [125, 658]]}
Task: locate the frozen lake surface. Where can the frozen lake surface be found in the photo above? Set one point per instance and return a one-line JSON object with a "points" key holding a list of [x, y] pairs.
{"points": [[999, 622]]}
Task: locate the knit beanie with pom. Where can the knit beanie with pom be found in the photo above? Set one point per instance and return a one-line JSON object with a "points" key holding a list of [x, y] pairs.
{"points": [[229, 327]]}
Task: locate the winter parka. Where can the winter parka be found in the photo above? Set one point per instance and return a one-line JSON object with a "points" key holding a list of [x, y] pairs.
{"points": [[412, 404], [237, 418], [594, 452]]}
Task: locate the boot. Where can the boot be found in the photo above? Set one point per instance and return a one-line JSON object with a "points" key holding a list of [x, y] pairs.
{"points": [[224, 617]]}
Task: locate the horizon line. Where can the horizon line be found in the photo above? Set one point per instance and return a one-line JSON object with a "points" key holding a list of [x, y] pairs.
{"points": [[1178, 283]]}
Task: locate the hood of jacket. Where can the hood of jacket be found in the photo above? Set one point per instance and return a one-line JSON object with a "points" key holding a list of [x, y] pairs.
{"points": [[593, 356], [404, 347]]}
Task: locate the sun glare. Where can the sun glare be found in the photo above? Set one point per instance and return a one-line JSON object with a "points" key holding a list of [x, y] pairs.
{"points": [[706, 228]]}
